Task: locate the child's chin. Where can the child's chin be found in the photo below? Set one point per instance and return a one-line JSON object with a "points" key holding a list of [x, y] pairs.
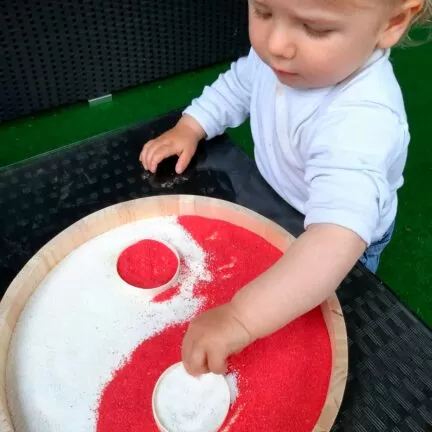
{"points": [[293, 81], [302, 83]]}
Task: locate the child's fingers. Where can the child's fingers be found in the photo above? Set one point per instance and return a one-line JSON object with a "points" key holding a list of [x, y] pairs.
{"points": [[195, 361], [159, 154], [216, 360], [149, 151], [144, 153], [183, 162]]}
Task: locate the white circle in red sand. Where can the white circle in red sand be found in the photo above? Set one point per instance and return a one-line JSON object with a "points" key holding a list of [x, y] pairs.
{"points": [[182, 403]]}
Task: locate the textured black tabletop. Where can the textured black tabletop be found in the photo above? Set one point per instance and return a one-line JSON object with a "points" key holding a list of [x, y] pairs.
{"points": [[390, 351]]}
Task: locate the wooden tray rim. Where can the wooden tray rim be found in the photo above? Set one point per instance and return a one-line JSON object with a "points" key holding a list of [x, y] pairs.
{"points": [[95, 224]]}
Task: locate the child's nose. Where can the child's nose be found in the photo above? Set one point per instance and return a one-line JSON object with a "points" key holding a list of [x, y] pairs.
{"points": [[281, 44]]}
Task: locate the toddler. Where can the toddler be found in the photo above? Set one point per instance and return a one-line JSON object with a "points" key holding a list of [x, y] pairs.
{"points": [[331, 137]]}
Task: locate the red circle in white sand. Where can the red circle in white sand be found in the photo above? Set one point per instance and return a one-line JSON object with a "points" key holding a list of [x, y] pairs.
{"points": [[147, 264]]}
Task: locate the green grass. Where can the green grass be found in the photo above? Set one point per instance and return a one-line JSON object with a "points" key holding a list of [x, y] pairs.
{"points": [[33, 135], [405, 265]]}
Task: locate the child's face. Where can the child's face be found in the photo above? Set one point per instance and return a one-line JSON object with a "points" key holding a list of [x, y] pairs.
{"points": [[318, 43]]}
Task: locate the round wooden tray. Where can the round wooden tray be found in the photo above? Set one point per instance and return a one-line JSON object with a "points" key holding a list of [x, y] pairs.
{"points": [[109, 218]]}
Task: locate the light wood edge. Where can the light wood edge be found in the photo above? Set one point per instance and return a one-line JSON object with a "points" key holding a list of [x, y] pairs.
{"points": [[333, 316], [111, 217]]}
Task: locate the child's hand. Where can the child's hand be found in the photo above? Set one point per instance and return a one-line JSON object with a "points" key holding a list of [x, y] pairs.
{"points": [[211, 338], [182, 140]]}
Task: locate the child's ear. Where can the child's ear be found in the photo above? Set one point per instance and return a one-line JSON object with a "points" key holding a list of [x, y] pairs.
{"points": [[399, 22]]}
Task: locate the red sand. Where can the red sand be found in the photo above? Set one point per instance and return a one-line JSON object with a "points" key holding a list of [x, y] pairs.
{"points": [[282, 380], [147, 264]]}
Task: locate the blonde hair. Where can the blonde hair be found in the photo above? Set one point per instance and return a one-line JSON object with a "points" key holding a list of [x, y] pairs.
{"points": [[424, 17], [423, 20]]}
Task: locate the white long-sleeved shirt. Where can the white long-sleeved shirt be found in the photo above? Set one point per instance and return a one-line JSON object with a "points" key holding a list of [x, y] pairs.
{"points": [[336, 154]]}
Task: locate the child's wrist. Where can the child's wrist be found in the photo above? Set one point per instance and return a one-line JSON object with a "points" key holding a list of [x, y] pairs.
{"points": [[193, 126], [237, 315]]}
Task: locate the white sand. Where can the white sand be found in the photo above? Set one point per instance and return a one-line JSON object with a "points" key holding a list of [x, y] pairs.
{"points": [[187, 404], [83, 321]]}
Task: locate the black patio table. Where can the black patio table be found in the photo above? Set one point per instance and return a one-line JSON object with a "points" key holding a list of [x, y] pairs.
{"points": [[389, 386]]}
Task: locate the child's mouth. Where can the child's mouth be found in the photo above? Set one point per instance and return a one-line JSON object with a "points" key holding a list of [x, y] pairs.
{"points": [[282, 73]]}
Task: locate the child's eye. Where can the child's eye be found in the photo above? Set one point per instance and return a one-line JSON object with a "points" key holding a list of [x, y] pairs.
{"points": [[261, 14], [317, 33]]}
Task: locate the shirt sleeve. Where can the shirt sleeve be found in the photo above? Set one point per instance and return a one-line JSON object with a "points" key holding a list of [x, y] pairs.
{"points": [[226, 103], [349, 157]]}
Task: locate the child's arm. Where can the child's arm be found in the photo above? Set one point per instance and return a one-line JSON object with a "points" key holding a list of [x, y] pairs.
{"points": [[348, 157], [307, 274], [224, 104]]}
